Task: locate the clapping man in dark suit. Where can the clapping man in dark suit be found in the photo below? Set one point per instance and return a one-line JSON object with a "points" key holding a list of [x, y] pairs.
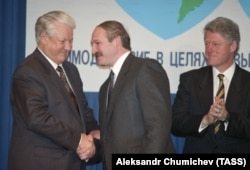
{"points": [[137, 118], [212, 124], [50, 131]]}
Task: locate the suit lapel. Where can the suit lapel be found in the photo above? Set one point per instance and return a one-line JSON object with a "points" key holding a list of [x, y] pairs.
{"points": [[103, 110], [50, 71], [234, 88], [55, 79], [120, 81], [206, 88]]}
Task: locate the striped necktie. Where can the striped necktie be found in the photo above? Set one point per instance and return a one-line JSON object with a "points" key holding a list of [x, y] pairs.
{"points": [[221, 94]]}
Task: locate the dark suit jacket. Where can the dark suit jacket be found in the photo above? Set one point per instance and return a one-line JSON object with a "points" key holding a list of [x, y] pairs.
{"points": [[46, 125], [138, 119], [193, 100]]}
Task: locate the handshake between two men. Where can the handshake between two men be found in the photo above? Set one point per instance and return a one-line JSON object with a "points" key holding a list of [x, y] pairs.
{"points": [[86, 148]]}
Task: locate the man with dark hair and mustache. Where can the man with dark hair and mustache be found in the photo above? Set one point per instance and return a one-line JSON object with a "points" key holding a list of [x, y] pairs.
{"points": [[136, 117]]}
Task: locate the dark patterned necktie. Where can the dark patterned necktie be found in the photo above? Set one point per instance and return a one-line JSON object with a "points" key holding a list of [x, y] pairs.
{"points": [[69, 90], [221, 94], [110, 87]]}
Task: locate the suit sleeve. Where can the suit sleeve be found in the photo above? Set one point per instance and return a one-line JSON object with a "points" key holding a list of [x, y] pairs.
{"points": [[185, 123]]}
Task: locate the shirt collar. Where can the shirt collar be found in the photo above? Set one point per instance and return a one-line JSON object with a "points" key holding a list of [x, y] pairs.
{"points": [[117, 66], [228, 73], [53, 64]]}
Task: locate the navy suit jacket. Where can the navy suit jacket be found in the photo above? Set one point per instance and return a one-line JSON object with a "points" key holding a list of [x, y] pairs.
{"points": [[46, 125], [193, 100], [138, 119]]}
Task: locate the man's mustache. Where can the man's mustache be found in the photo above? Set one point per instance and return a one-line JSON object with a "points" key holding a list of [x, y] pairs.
{"points": [[97, 54]]}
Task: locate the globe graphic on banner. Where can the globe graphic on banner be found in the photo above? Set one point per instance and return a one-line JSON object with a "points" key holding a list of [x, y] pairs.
{"points": [[169, 18]]}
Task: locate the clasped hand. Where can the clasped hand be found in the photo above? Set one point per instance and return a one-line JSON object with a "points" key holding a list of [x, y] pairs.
{"points": [[216, 112], [86, 148]]}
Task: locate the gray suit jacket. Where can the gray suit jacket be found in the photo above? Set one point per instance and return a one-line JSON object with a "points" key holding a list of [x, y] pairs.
{"points": [[193, 100], [47, 126], [138, 119]]}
